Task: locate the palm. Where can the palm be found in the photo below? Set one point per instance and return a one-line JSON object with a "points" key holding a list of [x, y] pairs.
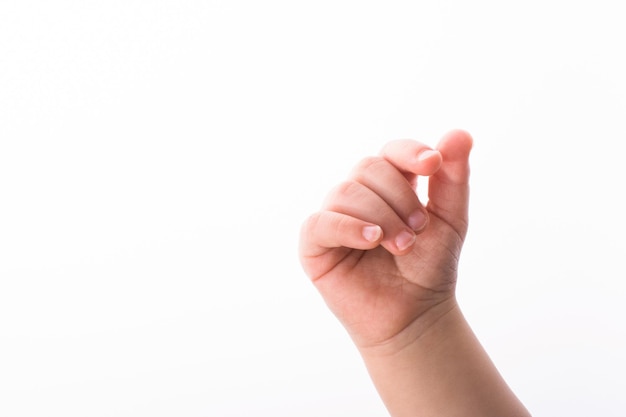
{"points": [[377, 294]]}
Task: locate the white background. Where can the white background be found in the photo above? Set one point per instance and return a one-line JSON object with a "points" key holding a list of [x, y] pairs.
{"points": [[157, 159]]}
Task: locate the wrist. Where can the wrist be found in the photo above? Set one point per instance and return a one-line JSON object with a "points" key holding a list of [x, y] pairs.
{"points": [[439, 319], [438, 368]]}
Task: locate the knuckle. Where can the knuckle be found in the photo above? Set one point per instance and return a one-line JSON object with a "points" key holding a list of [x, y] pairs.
{"points": [[369, 164], [311, 223], [342, 225], [345, 191]]}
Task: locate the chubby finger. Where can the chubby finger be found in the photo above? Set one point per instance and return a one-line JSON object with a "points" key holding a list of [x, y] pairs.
{"points": [[412, 158], [385, 180], [356, 200], [328, 229]]}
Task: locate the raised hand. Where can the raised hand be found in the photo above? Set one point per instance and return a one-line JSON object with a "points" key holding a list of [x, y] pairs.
{"points": [[385, 264]]}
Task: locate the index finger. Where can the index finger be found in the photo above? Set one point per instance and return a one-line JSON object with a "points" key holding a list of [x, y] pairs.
{"points": [[412, 158]]}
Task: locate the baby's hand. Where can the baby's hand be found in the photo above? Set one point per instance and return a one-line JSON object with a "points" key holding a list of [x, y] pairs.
{"points": [[385, 264]]}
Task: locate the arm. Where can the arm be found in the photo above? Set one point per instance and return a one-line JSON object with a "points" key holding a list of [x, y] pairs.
{"points": [[386, 266], [445, 372]]}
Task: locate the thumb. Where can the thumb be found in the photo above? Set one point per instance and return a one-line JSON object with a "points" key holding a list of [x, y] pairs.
{"points": [[448, 188]]}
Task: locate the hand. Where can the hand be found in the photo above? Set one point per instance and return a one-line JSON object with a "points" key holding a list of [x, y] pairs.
{"points": [[385, 264]]}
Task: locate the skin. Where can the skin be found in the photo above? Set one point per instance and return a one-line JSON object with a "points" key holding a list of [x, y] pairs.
{"points": [[386, 265]]}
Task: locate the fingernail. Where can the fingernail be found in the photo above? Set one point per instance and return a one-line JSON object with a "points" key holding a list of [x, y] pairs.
{"points": [[417, 220], [372, 233], [404, 240], [426, 154]]}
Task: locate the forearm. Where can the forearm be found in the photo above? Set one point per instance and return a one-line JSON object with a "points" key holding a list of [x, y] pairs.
{"points": [[443, 372]]}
